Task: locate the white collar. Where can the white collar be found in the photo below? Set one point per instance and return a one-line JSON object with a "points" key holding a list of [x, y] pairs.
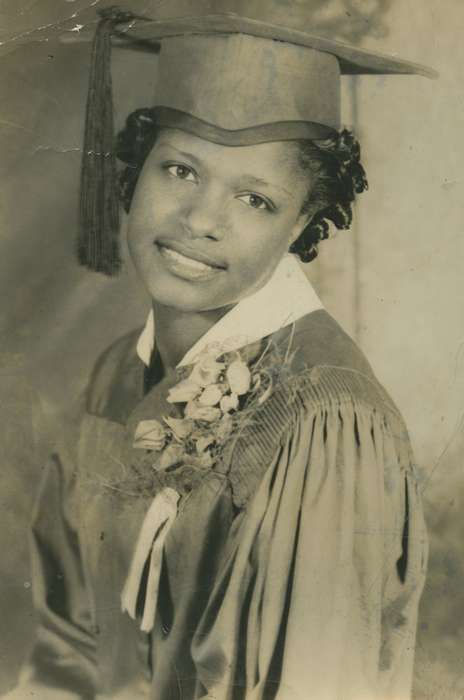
{"points": [[285, 298]]}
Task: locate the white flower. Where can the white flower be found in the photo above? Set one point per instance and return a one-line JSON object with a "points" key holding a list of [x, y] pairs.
{"points": [[229, 403], [196, 412], [184, 391], [210, 396], [181, 427], [239, 377], [150, 435], [173, 454], [206, 371]]}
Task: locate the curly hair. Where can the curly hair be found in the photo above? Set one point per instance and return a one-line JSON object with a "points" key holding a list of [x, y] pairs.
{"points": [[334, 166]]}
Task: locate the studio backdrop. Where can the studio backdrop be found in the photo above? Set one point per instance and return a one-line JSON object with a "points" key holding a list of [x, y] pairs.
{"points": [[394, 282]]}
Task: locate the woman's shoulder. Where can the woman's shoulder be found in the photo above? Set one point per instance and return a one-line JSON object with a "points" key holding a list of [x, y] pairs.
{"points": [[321, 341], [115, 380], [329, 368], [324, 388]]}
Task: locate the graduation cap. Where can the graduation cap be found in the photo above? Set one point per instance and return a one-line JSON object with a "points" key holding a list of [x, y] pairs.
{"points": [[224, 77]]}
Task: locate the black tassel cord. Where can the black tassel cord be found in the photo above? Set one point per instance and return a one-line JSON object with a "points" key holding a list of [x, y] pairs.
{"points": [[98, 240]]}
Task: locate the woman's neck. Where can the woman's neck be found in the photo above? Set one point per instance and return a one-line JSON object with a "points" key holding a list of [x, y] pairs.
{"points": [[177, 331]]}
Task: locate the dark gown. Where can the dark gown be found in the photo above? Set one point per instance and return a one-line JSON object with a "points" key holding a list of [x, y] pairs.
{"points": [[293, 571]]}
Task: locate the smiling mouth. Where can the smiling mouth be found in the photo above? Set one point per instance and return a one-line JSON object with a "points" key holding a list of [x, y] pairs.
{"points": [[185, 266]]}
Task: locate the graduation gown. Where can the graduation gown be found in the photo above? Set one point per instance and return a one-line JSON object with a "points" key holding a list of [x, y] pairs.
{"points": [[294, 570]]}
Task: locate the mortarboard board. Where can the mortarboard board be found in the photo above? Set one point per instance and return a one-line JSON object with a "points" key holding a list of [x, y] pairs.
{"points": [[223, 76]]}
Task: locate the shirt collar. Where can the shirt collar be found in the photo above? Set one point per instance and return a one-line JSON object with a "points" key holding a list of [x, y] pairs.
{"points": [[285, 298]]}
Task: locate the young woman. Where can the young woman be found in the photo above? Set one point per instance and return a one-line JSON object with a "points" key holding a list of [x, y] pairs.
{"points": [[235, 514]]}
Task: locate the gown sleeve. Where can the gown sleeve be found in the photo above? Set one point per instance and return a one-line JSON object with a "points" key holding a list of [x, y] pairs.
{"points": [[320, 596], [62, 664]]}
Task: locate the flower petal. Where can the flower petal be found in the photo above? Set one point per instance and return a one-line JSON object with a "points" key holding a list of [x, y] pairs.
{"points": [[239, 377], [229, 403], [210, 396], [205, 413], [181, 427], [206, 371], [149, 435], [184, 391]]}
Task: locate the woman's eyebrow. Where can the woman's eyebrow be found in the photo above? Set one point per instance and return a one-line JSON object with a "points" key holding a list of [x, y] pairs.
{"points": [[247, 180], [244, 181], [183, 154]]}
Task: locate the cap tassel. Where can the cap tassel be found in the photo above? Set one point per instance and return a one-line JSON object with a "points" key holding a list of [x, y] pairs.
{"points": [[98, 240]]}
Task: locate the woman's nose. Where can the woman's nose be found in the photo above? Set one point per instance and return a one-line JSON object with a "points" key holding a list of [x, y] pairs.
{"points": [[205, 217]]}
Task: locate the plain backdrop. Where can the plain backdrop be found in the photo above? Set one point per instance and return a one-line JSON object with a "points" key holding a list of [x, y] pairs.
{"points": [[395, 282]]}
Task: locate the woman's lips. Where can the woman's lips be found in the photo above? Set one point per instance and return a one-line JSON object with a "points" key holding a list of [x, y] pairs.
{"points": [[187, 264]]}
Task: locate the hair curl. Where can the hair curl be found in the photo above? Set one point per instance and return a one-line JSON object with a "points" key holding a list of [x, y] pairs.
{"points": [[337, 176]]}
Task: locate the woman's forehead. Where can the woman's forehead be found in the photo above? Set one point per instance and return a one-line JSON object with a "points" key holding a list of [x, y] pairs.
{"points": [[257, 159]]}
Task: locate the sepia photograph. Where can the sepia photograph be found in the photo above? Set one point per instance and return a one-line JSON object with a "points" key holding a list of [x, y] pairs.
{"points": [[232, 350]]}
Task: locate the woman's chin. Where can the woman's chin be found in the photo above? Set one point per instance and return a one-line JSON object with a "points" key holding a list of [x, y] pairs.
{"points": [[184, 295], [193, 290]]}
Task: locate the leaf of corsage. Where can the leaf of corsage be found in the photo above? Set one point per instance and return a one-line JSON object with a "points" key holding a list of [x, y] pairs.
{"points": [[172, 455], [203, 443]]}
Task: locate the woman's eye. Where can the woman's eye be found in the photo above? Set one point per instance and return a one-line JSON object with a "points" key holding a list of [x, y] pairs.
{"points": [[256, 202], [181, 171]]}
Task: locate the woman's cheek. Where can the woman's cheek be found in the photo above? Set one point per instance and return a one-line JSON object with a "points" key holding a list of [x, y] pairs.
{"points": [[150, 190], [155, 218], [257, 260], [267, 243]]}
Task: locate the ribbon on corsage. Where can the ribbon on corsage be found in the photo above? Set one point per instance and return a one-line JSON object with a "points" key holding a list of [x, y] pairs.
{"points": [[149, 547]]}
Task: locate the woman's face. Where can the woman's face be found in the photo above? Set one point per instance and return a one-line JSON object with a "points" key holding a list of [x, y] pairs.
{"points": [[209, 223]]}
